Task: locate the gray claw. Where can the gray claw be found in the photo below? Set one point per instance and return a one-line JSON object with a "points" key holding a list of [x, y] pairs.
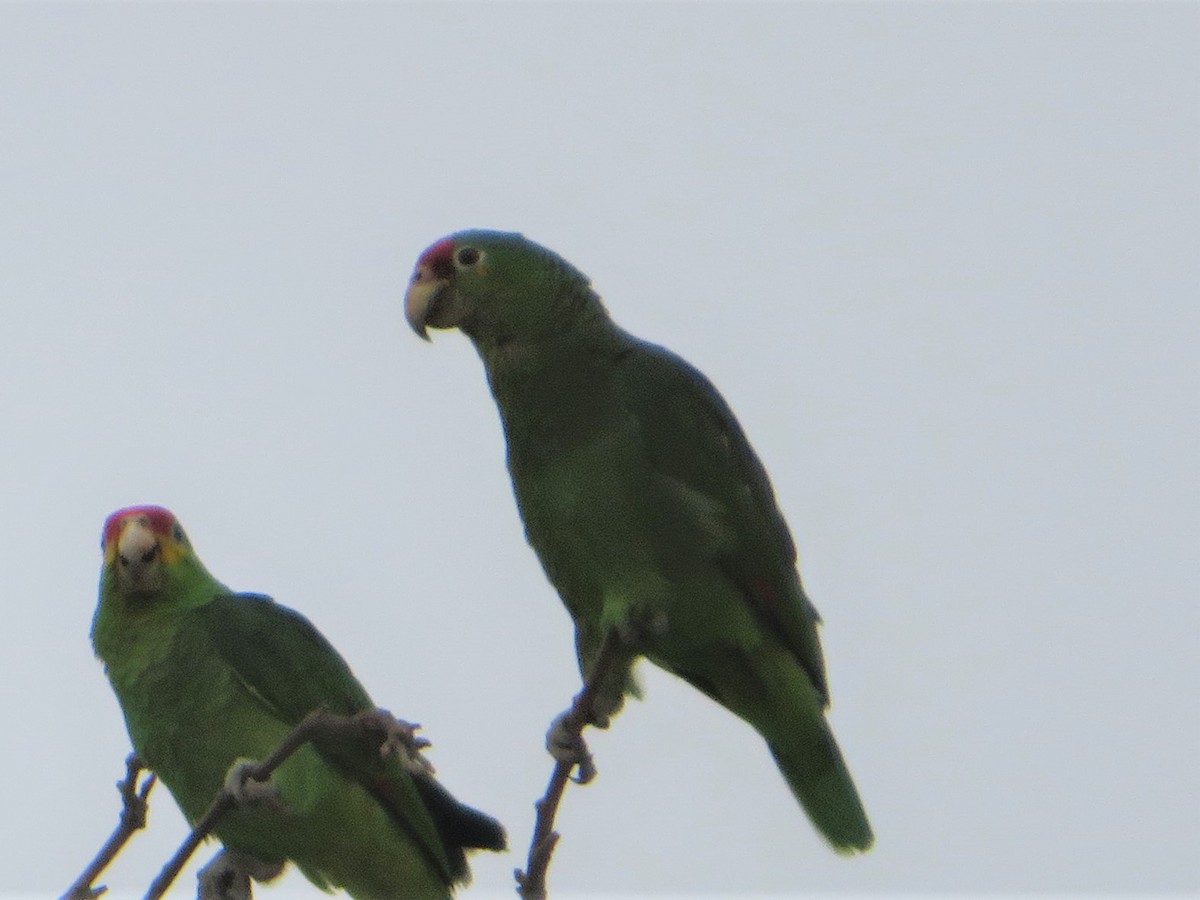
{"points": [[568, 746], [249, 792], [399, 740], [227, 876]]}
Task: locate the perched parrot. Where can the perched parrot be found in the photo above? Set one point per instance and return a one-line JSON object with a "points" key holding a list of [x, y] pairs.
{"points": [[651, 514], [206, 677]]}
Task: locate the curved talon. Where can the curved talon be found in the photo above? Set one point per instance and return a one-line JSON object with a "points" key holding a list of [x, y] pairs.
{"points": [[399, 739], [220, 880], [567, 745], [247, 791], [585, 769], [227, 875], [560, 739]]}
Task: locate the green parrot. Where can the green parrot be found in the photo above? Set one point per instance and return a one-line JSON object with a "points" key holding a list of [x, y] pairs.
{"points": [[652, 516], [206, 677]]}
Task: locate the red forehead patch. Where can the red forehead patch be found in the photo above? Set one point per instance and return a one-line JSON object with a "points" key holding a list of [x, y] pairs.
{"points": [[161, 520], [438, 258]]}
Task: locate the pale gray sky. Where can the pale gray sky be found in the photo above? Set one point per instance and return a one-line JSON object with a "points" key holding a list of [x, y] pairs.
{"points": [[941, 259]]}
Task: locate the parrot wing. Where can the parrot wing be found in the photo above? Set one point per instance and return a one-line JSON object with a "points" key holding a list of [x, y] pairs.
{"points": [[291, 669], [692, 439], [281, 658]]}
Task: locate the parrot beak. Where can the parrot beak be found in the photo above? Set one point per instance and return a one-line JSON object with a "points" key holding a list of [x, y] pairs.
{"points": [[421, 304], [139, 556]]}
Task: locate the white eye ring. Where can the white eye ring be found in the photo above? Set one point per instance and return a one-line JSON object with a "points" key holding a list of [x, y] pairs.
{"points": [[466, 257]]}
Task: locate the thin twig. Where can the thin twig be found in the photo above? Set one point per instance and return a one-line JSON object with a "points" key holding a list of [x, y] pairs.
{"points": [[531, 882], [133, 818], [320, 722]]}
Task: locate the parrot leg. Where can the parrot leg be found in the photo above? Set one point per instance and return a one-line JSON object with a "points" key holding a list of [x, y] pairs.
{"points": [[629, 631], [247, 791], [227, 876], [632, 618], [633, 632], [564, 739]]}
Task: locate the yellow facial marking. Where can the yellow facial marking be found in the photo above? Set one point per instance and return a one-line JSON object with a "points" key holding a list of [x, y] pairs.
{"points": [[172, 551]]}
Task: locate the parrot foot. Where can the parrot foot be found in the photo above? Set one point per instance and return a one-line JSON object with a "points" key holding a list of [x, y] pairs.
{"points": [[227, 876], [566, 745], [399, 739], [247, 791]]}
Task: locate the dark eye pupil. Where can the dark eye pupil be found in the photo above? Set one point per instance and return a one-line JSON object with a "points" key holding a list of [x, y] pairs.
{"points": [[468, 256]]}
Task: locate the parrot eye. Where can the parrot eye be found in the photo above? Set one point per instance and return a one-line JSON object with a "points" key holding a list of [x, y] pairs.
{"points": [[467, 257], [177, 534]]}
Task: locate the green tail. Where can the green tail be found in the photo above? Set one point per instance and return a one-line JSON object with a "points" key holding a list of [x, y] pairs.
{"points": [[809, 758], [769, 691]]}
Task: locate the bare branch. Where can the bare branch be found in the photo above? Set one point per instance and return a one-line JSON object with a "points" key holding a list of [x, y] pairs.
{"points": [[531, 882], [133, 818], [319, 723]]}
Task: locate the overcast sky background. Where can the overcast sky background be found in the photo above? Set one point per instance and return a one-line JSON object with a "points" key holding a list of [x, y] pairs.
{"points": [[941, 259]]}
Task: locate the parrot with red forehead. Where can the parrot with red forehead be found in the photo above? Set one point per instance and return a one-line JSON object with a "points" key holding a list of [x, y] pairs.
{"points": [[207, 677], [651, 514]]}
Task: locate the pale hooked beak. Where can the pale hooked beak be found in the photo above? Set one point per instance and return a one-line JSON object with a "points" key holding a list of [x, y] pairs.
{"points": [[139, 555], [421, 300]]}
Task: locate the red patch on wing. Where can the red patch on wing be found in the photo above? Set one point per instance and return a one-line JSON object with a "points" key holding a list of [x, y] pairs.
{"points": [[763, 589], [161, 521], [438, 259]]}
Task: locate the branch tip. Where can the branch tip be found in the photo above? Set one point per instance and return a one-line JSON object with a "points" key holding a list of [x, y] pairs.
{"points": [[531, 882]]}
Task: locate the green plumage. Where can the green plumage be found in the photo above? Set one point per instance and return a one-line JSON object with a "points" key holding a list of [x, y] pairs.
{"points": [[645, 503], [205, 677]]}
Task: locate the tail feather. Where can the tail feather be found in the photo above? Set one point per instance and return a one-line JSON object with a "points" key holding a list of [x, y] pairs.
{"points": [[460, 827], [809, 758], [776, 696]]}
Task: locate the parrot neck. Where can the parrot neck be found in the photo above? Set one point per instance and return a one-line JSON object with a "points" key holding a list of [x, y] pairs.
{"points": [[583, 333], [132, 631], [554, 367], [130, 636], [557, 396]]}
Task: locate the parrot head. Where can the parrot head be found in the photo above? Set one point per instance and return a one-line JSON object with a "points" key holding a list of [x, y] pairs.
{"points": [[142, 546], [496, 287]]}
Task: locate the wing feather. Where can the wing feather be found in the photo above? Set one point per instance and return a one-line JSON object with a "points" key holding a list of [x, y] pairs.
{"points": [[291, 668], [691, 436]]}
